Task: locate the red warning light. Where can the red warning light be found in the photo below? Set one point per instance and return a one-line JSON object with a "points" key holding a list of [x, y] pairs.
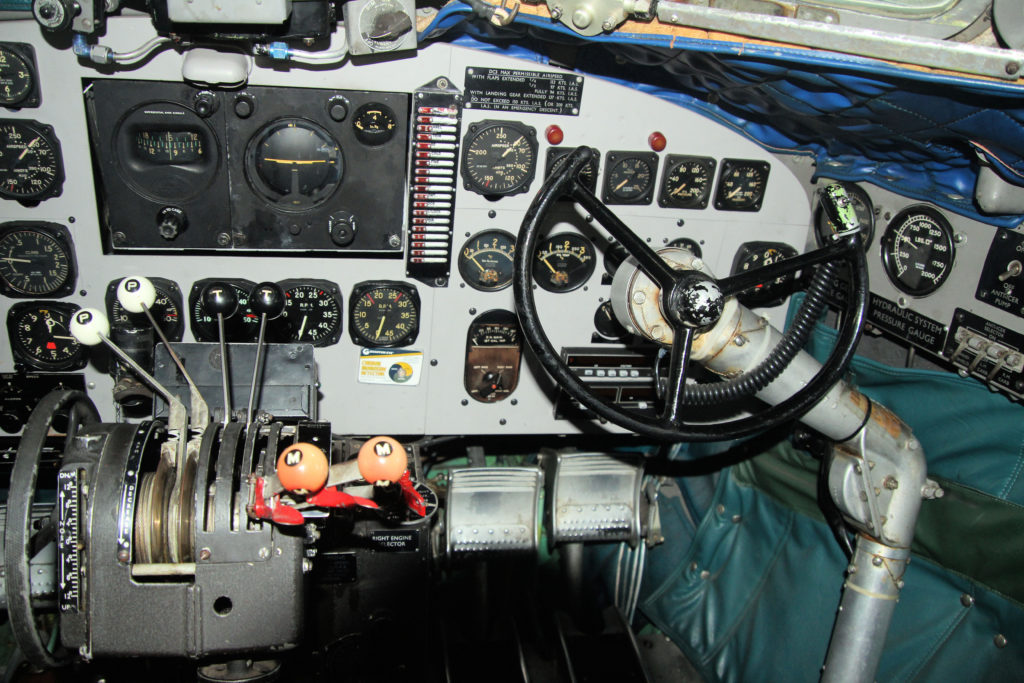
{"points": [[554, 135], [657, 141]]}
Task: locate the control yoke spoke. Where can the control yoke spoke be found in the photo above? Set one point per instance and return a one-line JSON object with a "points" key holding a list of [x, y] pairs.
{"points": [[741, 282], [671, 413]]}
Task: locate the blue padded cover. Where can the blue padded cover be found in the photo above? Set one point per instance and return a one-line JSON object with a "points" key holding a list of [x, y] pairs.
{"points": [[913, 132]]}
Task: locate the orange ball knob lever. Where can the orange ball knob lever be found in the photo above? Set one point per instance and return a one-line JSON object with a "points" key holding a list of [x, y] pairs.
{"points": [[382, 459], [302, 468]]}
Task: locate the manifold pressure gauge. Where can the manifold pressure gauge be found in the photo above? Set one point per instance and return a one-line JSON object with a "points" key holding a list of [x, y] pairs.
{"points": [[36, 260], [31, 169], [242, 327], [384, 313], [499, 158], [485, 261]]}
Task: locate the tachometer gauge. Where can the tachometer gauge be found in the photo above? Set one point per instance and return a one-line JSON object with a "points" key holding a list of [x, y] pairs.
{"points": [[294, 163], [753, 255], [374, 123], [312, 312], [499, 157], [30, 161], [563, 262], [36, 260], [862, 206], [917, 250], [485, 261], [630, 177], [18, 81], [40, 337], [384, 314], [741, 185], [687, 182], [243, 326], [587, 174], [166, 309]]}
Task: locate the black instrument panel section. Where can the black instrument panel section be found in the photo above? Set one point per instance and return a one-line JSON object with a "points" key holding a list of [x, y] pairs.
{"points": [[40, 336], [19, 76], [167, 310], [269, 168], [31, 164], [1000, 281], [243, 326], [384, 314], [37, 259]]}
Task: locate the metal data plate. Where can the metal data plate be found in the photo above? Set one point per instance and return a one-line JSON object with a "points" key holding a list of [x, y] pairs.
{"points": [[493, 510], [593, 497]]}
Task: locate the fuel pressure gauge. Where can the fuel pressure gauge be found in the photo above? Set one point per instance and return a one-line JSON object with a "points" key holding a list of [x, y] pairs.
{"points": [[741, 185], [688, 182]]}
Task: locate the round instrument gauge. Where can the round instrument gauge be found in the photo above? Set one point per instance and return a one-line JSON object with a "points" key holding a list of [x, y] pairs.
{"points": [[563, 262], [166, 309], [243, 326], [686, 243], [17, 78], [312, 313], [384, 314], [35, 262], [374, 123], [587, 174], [753, 255], [630, 178], [917, 250], [377, 22], [687, 182], [485, 261], [607, 325], [30, 161], [741, 185], [295, 164], [40, 336], [862, 206], [499, 158]]}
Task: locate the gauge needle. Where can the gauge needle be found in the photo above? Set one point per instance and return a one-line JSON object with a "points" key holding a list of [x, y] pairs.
{"points": [[25, 151], [297, 162], [621, 185], [549, 266], [302, 327], [11, 259], [678, 190], [58, 336], [473, 259], [380, 328], [511, 147], [904, 238], [735, 192]]}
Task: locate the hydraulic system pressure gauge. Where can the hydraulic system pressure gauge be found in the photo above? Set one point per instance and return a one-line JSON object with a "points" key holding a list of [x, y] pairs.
{"points": [[295, 164], [917, 250], [40, 336], [312, 313], [563, 262], [587, 174], [499, 158], [30, 161], [862, 206], [741, 185], [485, 261], [36, 260], [243, 326], [19, 82], [753, 255], [374, 123], [384, 313], [167, 309], [687, 182], [630, 177]]}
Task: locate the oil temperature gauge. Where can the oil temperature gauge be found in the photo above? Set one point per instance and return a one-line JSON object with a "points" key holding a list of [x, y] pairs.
{"points": [[630, 177], [485, 261], [563, 262], [753, 255], [687, 183], [741, 185], [493, 352]]}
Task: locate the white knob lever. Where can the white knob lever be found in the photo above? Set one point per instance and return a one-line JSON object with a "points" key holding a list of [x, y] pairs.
{"points": [[90, 326], [136, 293]]}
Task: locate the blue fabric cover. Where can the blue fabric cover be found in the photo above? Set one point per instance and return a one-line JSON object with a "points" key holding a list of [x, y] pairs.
{"points": [[736, 621], [912, 132]]}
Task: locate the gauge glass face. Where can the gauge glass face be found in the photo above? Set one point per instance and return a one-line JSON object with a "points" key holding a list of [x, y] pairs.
{"points": [[499, 158], [374, 123], [607, 325], [42, 335], [563, 262], [296, 163], [485, 261], [687, 183], [741, 185], [385, 315], [587, 174], [629, 180], [34, 263], [687, 243], [375, 22], [752, 255], [862, 206], [16, 78], [169, 146], [29, 162], [918, 251], [311, 315], [166, 310], [243, 326]]}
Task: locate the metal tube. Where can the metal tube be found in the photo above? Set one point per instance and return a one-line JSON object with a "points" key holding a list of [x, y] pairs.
{"points": [[225, 378], [256, 368], [200, 412]]}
